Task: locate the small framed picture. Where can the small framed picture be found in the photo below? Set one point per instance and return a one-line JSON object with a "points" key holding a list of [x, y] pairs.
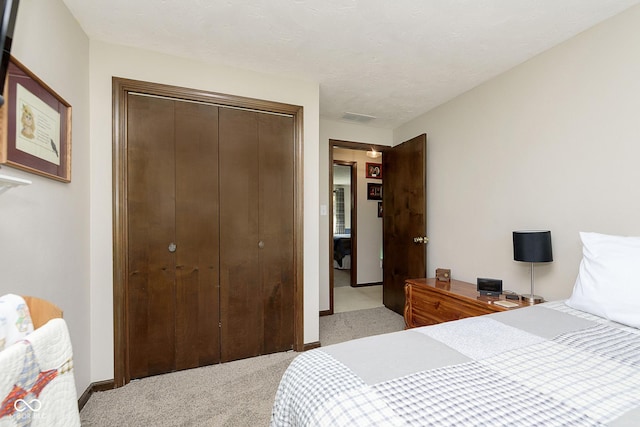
{"points": [[374, 191], [379, 209], [374, 170]]}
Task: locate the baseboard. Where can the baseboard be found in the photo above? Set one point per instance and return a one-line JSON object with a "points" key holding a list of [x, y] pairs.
{"points": [[360, 285], [311, 345], [93, 387], [326, 312]]}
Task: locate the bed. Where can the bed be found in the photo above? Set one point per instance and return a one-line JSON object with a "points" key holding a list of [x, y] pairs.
{"points": [[342, 251], [557, 363]]}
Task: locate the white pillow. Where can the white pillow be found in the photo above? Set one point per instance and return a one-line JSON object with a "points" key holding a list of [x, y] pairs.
{"points": [[608, 283]]}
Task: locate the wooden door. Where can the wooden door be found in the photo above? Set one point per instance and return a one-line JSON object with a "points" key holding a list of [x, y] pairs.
{"points": [[197, 235], [166, 171], [256, 233], [151, 219], [276, 230], [172, 210], [404, 218]]}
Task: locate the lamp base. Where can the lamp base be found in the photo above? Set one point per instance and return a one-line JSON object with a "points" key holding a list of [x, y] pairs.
{"points": [[531, 299]]}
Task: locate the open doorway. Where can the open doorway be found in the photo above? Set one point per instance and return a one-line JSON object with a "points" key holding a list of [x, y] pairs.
{"points": [[345, 266], [355, 225]]}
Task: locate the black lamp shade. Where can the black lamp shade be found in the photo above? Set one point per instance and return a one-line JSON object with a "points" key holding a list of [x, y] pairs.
{"points": [[532, 246]]}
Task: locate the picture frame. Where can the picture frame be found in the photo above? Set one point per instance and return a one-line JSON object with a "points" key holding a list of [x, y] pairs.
{"points": [[374, 170], [379, 209], [374, 191], [35, 126]]}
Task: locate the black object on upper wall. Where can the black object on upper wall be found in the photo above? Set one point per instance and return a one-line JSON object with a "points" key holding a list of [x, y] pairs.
{"points": [[9, 14]]}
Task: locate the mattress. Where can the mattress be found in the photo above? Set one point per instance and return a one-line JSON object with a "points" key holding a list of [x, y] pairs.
{"points": [[542, 365]]}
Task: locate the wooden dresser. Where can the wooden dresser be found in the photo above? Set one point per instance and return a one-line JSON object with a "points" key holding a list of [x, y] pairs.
{"points": [[429, 301]]}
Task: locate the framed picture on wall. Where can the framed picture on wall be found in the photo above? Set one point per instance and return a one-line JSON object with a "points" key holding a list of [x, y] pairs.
{"points": [[35, 126], [379, 209], [374, 191], [374, 170]]}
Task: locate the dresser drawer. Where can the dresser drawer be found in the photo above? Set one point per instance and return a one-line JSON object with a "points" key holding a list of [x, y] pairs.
{"points": [[429, 309], [428, 306]]}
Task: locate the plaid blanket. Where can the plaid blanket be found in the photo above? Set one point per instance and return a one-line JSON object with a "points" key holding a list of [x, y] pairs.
{"points": [[546, 365]]}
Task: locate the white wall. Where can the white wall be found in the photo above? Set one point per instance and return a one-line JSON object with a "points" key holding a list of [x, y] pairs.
{"points": [[110, 60], [333, 129], [44, 228], [554, 143]]}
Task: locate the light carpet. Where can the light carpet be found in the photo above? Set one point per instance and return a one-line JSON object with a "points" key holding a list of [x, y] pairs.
{"points": [[238, 393]]}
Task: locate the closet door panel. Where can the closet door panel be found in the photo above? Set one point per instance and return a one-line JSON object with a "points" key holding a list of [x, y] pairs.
{"points": [[151, 218], [240, 290], [276, 229], [197, 235]]}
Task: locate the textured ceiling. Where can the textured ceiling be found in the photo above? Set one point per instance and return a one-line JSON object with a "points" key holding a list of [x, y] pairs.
{"points": [[393, 60]]}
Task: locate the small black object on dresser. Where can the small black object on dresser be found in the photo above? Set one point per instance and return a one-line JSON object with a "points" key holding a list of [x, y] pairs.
{"points": [[489, 287]]}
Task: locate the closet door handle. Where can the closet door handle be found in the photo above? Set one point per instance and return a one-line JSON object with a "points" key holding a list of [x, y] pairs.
{"points": [[172, 247], [261, 244]]}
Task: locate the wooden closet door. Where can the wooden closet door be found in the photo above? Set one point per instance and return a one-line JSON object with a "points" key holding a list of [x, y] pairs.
{"points": [[197, 235], [173, 309], [151, 304], [276, 209], [241, 315], [256, 233]]}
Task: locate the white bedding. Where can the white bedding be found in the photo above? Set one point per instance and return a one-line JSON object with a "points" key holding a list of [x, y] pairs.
{"points": [[543, 365], [37, 387]]}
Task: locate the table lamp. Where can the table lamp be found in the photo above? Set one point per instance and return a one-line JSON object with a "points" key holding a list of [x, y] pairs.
{"points": [[532, 246]]}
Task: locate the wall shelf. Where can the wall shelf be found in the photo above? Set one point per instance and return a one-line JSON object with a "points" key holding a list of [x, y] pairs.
{"points": [[8, 182]]}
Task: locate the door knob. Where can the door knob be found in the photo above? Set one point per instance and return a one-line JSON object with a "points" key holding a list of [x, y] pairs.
{"points": [[261, 244], [421, 239], [172, 247]]}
